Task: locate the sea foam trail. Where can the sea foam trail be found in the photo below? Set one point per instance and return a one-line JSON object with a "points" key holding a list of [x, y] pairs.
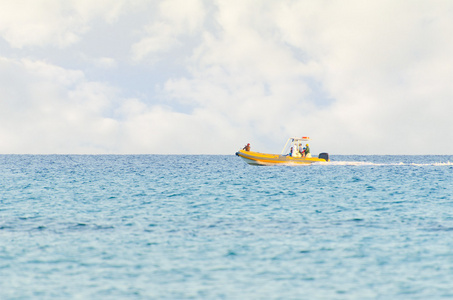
{"points": [[362, 163]]}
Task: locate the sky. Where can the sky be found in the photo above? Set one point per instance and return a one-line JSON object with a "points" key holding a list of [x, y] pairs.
{"points": [[207, 77]]}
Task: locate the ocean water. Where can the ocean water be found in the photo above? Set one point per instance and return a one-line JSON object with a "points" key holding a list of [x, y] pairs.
{"points": [[213, 227]]}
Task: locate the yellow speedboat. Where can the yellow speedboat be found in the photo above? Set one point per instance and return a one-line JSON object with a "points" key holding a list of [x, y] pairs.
{"points": [[293, 156]]}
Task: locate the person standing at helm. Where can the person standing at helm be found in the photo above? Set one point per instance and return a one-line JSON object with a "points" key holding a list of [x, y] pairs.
{"points": [[246, 147]]}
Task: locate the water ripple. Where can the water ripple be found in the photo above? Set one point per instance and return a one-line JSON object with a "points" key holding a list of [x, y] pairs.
{"points": [[209, 227]]}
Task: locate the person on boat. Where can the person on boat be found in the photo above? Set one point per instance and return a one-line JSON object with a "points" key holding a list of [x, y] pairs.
{"points": [[301, 150], [307, 151], [295, 151], [246, 147]]}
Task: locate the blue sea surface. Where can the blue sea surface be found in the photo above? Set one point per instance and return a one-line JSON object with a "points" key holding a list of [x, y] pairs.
{"points": [[213, 227]]}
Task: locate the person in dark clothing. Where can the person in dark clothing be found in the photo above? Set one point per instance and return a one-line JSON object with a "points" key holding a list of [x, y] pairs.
{"points": [[307, 151]]}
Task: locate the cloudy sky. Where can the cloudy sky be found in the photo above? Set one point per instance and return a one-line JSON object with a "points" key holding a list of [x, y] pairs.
{"points": [[208, 76]]}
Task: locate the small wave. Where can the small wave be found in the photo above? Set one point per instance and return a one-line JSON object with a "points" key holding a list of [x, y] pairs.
{"points": [[440, 228]]}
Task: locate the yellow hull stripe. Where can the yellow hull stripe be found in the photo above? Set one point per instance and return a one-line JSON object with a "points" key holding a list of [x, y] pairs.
{"points": [[276, 159]]}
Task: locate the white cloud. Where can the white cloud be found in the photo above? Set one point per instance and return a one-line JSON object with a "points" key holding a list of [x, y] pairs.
{"points": [[161, 38], [160, 130], [375, 61], [106, 63], [358, 77], [47, 109], [175, 18], [52, 22]]}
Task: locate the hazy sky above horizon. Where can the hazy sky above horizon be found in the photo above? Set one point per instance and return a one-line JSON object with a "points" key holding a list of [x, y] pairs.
{"points": [[206, 77]]}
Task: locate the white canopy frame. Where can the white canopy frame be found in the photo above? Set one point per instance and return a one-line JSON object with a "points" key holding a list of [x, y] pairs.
{"points": [[294, 140]]}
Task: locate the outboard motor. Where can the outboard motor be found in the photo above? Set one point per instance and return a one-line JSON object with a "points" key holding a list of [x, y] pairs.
{"points": [[324, 156]]}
